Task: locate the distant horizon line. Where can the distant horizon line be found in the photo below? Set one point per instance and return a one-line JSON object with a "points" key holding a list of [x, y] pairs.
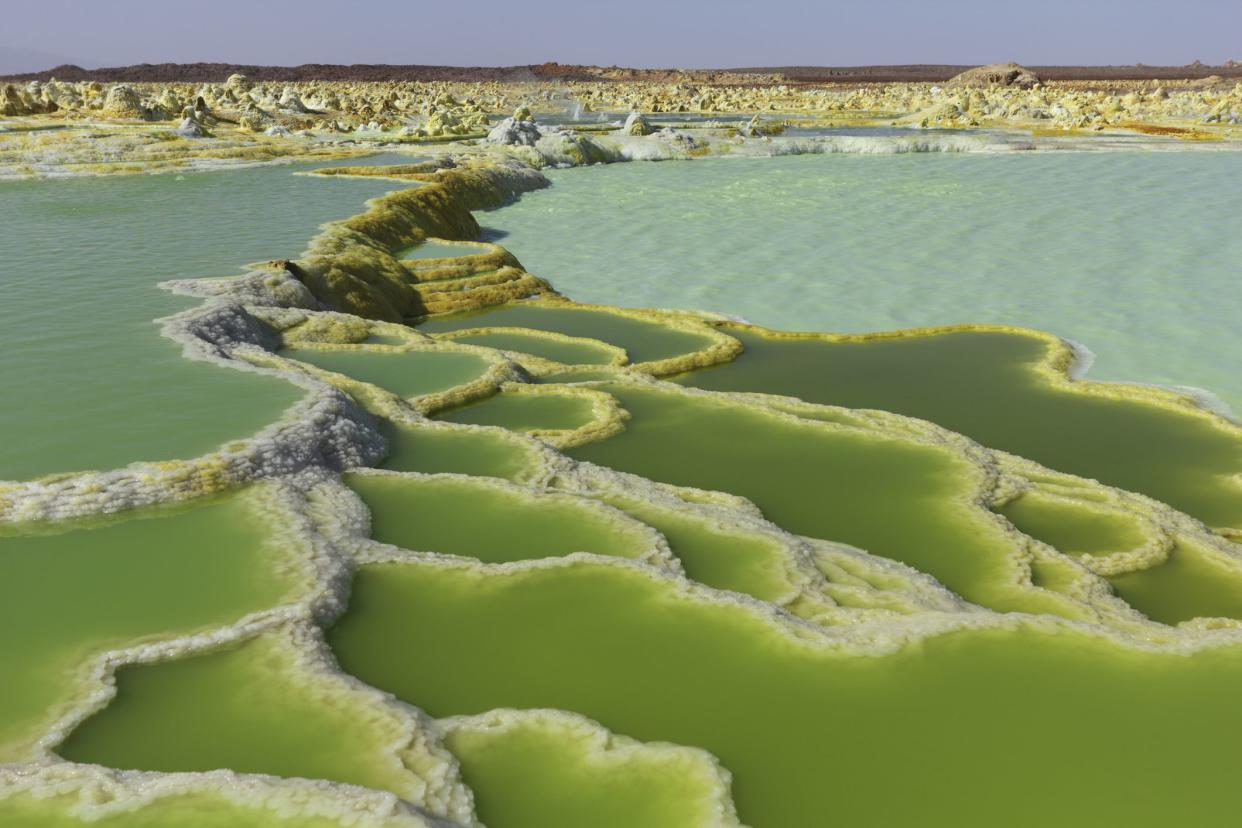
{"points": [[1226, 64], [553, 71]]}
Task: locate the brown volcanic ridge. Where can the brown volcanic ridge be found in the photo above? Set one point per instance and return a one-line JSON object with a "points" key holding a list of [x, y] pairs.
{"points": [[552, 71], [219, 72], [939, 73]]}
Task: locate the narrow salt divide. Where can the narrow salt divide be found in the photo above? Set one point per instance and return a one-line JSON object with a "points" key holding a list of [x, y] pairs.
{"points": [[185, 811], [265, 706], [836, 484], [544, 769], [576, 375], [643, 340], [474, 451], [73, 591], [570, 351], [407, 374], [492, 522], [809, 732], [521, 411], [1006, 390]]}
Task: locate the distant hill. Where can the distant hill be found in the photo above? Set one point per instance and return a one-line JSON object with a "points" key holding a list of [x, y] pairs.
{"points": [[938, 73], [552, 71], [218, 72]]}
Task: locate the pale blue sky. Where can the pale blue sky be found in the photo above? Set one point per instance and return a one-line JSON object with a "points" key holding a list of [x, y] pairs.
{"points": [[721, 33]]}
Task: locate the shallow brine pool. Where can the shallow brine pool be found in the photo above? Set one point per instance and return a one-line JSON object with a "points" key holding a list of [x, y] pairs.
{"points": [[621, 568], [1133, 254]]}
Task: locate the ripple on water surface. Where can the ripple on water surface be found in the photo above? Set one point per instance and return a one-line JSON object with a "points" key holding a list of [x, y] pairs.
{"points": [[1132, 253]]}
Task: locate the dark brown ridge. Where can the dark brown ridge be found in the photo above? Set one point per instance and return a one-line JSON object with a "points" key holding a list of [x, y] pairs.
{"points": [[939, 73], [553, 71]]}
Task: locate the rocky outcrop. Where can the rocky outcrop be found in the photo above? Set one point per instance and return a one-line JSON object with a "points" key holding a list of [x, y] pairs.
{"points": [[678, 140], [757, 128], [1210, 82], [191, 126], [238, 84], [12, 102], [123, 102], [33, 100], [996, 74], [515, 132], [254, 119], [290, 101], [446, 123], [983, 97], [354, 265], [636, 124]]}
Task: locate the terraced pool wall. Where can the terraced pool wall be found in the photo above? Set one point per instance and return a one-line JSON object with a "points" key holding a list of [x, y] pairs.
{"points": [[821, 601]]}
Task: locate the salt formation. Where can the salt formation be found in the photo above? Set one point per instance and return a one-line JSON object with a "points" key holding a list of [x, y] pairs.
{"points": [[123, 102], [636, 124], [812, 596], [191, 126], [520, 129], [30, 101], [258, 122], [290, 101]]}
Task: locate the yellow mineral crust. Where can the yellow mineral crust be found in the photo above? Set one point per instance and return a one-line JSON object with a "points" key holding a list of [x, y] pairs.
{"points": [[116, 128], [352, 286], [352, 266], [1057, 368], [1079, 579], [540, 366], [607, 415], [66, 149], [413, 776]]}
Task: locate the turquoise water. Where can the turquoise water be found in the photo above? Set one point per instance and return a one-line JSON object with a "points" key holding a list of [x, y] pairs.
{"points": [[1134, 254], [87, 380]]}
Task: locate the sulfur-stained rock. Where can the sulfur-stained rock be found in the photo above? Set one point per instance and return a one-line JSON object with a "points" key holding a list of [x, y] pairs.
{"points": [[254, 120], [636, 124], [1003, 95], [12, 102], [238, 84], [123, 101], [757, 128]]}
